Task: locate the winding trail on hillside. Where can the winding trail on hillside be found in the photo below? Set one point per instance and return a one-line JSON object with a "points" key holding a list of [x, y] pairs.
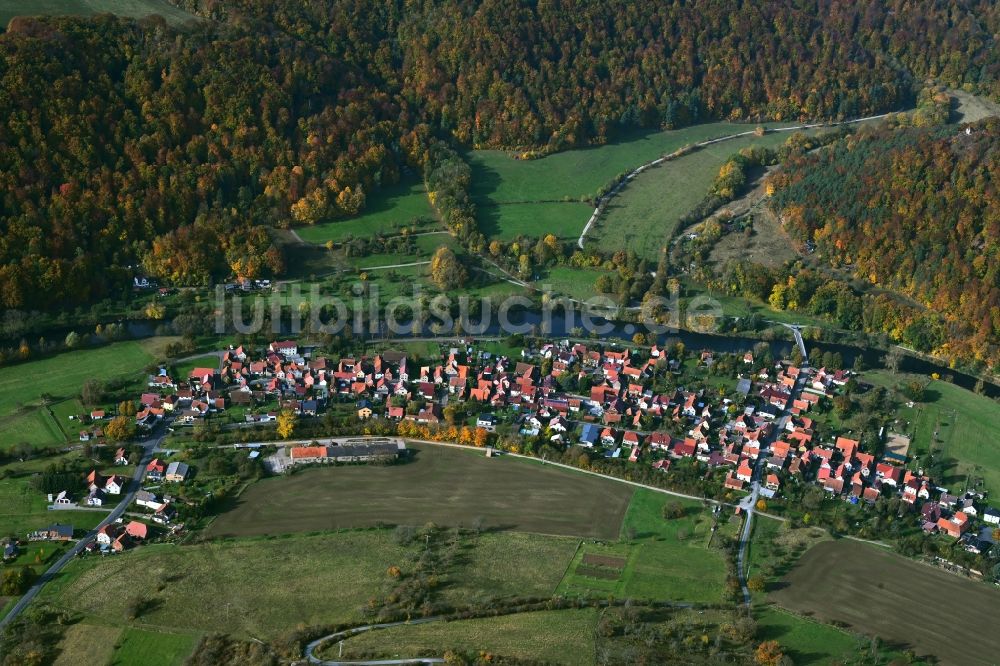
{"points": [[680, 152], [310, 651]]}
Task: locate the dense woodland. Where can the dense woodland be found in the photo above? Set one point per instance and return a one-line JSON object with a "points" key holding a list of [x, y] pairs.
{"points": [[916, 211], [132, 146]]}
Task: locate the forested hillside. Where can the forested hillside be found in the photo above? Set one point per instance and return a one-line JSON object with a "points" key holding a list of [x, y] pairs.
{"points": [[116, 135], [504, 73], [125, 143], [916, 211]]}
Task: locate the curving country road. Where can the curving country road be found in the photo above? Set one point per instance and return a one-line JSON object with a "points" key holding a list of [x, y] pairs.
{"points": [[148, 448], [347, 633], [603, 201]]}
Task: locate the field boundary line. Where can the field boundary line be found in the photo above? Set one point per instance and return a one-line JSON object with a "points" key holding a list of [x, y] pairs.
{"points": [[543, 462]]}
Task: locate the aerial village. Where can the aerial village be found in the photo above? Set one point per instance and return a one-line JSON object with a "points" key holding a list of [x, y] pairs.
{"points": [[760, 433]]}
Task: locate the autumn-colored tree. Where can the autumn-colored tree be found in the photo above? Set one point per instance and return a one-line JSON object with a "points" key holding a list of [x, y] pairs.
{"points": [[756, 584], [126, 408], [768, 653], [446, 271], [156, 310], [287, 420], [120, 429]]}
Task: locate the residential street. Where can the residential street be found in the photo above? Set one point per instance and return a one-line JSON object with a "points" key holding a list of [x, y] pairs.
{"points": [[749, 503], [149, 446]]}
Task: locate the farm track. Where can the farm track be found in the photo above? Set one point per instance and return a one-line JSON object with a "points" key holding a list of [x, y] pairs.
{"points": [[603, 201]]}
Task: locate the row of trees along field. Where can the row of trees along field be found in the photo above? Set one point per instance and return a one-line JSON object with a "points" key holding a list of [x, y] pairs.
{"points": [[916, 211], [128, 143]]}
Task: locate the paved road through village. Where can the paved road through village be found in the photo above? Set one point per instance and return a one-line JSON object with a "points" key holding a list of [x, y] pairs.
{"points": [[149, 446]]}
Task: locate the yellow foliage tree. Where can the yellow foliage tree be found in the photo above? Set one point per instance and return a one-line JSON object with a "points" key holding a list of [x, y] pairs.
{"points": [[287, 420], [120, 428]]}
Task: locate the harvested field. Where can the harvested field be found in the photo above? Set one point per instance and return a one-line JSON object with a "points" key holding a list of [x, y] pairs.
{"points": [[450, 487], [876, 592], [597, 572], [604, 561]]}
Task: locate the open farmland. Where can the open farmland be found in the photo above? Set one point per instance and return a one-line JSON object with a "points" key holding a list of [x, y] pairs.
{"points": [[647, 212], [152, 648], [556, 637], [666, 559], [875, 592], [579, 173], [807, 641], [506, 221], [61, 376], [343, 571], [544, 195], [127, 8], [87, 644], [447, 486]]}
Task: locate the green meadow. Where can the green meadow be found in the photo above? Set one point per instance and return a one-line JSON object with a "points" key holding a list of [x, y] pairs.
{"points": [[387, 211]]}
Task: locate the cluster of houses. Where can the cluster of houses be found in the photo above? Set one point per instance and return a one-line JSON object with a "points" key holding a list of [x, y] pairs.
{"points": [[282, 374], [771, 434], [99, 487], [765, 433], [119, 536]]}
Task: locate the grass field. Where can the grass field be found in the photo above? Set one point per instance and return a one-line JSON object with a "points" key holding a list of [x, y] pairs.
{"points": [[646, 214], [127, 8], [510, 564], [570, 281], [805, 641], [152, 648], [23, 509], [62, 376], [553, 637], [33, 426], [386, 212], [87, 644], [537, 189], [580, 173], [967, 426], [667, 559], [256, 587], [448, 486], [874, 591], [265, 586], [508, 220]]}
